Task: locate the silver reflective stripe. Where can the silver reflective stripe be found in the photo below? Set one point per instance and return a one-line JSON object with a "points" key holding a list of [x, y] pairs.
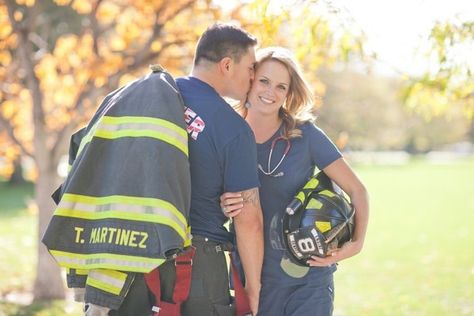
{"points": [[105, 261], [150, 210], [102, 276], [110, 127], [128, 208], [107, 280], [143, 126]]}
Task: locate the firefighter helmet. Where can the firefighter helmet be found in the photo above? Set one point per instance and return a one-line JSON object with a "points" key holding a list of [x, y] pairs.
{"points": [[317, 221]]}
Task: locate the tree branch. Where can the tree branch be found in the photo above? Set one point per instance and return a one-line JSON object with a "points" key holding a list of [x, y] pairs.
{"points": [[142, 57], [185, 5], [145, 55], [60, 145], [95, 26], [89, 92], [141, 54], [26, 55], [11, 134]]}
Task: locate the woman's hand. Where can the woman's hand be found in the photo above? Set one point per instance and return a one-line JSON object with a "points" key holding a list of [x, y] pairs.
{"points": [[231, 204], [347, 250]]}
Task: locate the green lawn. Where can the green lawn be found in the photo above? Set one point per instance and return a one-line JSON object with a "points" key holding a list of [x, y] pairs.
{"points": [[418, 258], [18, 231]]}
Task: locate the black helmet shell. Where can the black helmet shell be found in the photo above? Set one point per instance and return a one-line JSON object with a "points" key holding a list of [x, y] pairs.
{"points": [[323, 222]]}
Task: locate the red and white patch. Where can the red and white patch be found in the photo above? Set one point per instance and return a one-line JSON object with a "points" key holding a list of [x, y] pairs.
{"points": [[195, 123]]}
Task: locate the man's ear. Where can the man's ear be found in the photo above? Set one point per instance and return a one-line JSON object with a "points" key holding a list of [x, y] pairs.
{"points": [[226, 66]]}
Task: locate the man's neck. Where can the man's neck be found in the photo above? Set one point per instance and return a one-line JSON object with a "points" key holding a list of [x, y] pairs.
{"points": [[209, 76]]}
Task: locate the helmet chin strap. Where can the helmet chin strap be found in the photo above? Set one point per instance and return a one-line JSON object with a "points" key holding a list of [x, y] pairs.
{"points": [[333, 233]]}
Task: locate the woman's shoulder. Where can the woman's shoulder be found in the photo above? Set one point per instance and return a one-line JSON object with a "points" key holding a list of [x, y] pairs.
{"points": [[310, 128]]}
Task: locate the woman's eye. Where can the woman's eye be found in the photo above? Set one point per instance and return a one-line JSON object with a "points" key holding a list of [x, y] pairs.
{"points": [[264, 81]]}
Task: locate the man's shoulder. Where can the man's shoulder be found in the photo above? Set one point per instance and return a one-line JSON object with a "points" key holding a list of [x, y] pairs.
{"points": [[182, 80], [198, 94], [184, 83], [230, 120]]}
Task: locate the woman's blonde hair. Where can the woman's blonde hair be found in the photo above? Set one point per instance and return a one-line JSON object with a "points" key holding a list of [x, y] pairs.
{"points": [[299, 103]]}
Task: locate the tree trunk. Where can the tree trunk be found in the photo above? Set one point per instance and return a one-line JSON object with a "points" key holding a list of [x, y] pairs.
{"points": [[49, 283], [471, 132], [16, 177]]}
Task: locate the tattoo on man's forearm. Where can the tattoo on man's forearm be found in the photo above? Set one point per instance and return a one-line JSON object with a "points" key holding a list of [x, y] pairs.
{"points": [[251, 196]]}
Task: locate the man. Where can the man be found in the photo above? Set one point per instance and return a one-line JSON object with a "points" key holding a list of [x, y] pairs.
{"points": [[222, 158]]}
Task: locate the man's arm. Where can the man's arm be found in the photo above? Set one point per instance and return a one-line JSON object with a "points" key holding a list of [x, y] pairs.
{"points": [[249, 231]]}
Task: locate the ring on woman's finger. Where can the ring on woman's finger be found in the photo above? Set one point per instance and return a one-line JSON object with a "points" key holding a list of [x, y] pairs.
{"points": [[224, 209]]}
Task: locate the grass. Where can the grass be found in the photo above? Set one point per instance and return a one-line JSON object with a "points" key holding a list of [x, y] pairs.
{"points": [[18, 257], [418, 257], [18, 231], [417, 260]]}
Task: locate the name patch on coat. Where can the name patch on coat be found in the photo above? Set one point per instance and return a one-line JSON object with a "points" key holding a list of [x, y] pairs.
{"points": [[111, 235]]}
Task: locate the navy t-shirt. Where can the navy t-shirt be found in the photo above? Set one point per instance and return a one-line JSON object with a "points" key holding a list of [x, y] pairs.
{"points": [[222, 155], [313, 150]]}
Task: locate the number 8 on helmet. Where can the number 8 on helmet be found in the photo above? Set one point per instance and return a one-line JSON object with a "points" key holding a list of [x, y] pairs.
{"points": [[317, 221]]}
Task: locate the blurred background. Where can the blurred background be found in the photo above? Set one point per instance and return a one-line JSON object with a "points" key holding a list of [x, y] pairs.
{"points": [[395, 87]]}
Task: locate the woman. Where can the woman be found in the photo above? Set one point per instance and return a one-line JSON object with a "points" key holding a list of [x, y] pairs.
{"points": [[289, 149]]}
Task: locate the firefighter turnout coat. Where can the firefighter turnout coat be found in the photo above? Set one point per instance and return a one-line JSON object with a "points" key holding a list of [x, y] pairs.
{"points": [[124, 206]]}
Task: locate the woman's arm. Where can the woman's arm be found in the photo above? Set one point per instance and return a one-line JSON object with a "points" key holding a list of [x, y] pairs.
{"points": [[342, 174]]}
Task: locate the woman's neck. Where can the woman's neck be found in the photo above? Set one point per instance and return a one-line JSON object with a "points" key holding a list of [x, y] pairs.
{"points": [[263, 126]]}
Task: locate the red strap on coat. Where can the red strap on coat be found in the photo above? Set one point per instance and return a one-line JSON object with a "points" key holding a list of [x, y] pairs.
{"points": [[183, 264], [242, 304]]}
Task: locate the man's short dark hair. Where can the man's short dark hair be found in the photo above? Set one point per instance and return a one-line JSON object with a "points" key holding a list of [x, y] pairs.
{"points": [[223, 40]]}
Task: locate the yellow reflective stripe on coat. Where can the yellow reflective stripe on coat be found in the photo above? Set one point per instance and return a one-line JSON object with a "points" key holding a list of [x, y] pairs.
{"points": [[189, 237], [105, 261], [149, 210], [110, 127], [111, 281], [77, 271]]}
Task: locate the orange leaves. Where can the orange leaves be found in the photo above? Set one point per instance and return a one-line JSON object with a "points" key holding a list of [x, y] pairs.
{"points": [[82, 6], [5, 27], [105, 68], [9, 108], [28, 3], [133, 27], [18, 16], [108, 12], [16, 111], [65, 45], [76, 67], [448, 84], [46, 71], [62, 75], [62, 2], [8, 153], [5, 58]]}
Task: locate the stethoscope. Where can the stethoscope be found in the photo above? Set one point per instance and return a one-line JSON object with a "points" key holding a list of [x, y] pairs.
{"points": [[270, 171]]}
